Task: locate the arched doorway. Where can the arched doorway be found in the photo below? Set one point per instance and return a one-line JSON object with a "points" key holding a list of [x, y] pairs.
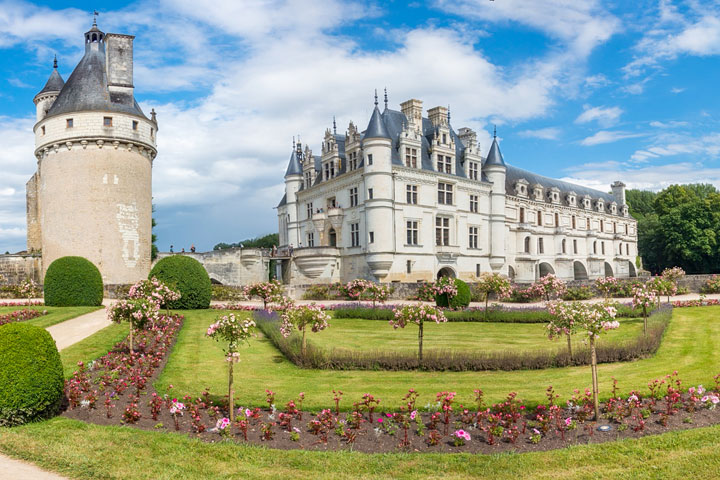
{"points": [[446, 272], [631, 269], [579, 271], [511, 273], [546, 269], [608, 270], [332, 238]]}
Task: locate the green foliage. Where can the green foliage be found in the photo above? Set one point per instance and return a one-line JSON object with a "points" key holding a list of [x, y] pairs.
{"points": [[678, 226], [187, 276], [73, 282], [266, 241], [493, 315], [461, 300], [31, 377], [578, 293], [153, 239]]}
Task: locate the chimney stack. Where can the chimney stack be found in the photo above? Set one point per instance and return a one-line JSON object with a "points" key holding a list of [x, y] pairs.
{"points": [[119, 65], [438, 116], [412, 109]]}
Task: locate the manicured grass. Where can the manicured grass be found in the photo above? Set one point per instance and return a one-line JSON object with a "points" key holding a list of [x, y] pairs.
{"points": [[367, 335], [92, 347], [84, 451], [55, 314]]}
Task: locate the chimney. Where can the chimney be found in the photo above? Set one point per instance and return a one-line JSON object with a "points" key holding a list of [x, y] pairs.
{"points": [[618, 191], [412, 109], [468, 137], [119, 65], [438, 116]]}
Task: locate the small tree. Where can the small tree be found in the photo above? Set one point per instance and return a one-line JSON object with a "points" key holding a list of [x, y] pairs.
{"points": [[643, 297], [607, 286], [549, 287], [137, 312], [445, 286], [417, 314], [563, 322], [673, 275], [266, 291], [594, 319], [493, 283], [302, 316], [662, 286], [233, 330], [378, 293]]}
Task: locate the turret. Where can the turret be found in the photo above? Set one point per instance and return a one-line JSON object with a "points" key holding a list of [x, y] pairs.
{"points": [[293, 183], [495, 169], [46, 97], [377, 156]]}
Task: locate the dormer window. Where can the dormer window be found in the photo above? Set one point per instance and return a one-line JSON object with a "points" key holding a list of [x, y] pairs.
{"points": [[444, 138], [444, 164], [521, 188], [586, 202], [473, 170], [353, 160], [600, 205], [625, 211], [554, 195], [571, 199], [538, 192], [411, 155], [329, 170], [613, 208]]}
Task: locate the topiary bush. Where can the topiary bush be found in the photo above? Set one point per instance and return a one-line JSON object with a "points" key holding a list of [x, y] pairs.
{"points": [[461, 300], [73, 282], [187, 276], [31, 374]]}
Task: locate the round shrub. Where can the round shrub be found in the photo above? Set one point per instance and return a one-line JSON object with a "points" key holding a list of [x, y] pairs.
{"points": [[31, 376], [187, 276], [73, 282], [461, 300]]}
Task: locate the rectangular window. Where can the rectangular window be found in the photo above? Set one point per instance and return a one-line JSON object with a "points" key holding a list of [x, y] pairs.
{"points": [[370, 193], [354, 234], [473, 170], [411, 157], [539, 219], [442, 231], [327, 171], [107, 121], [372, 237], [409, 266], [602, 225], [557, 220], [587, 227], [68, 123], [541, 247], [309, 208], [445, 193], [473, 237], [602, 247], [369, 159], [310, 239], [43, 132], [308, 180], [353, 197], [477, 269], [331, 202], [474, 203], [152, 133], [444, 164], [411, 193], [135, 125], [412, 232], [522, 215], [352, 161], [575, 246], [573, 221]]}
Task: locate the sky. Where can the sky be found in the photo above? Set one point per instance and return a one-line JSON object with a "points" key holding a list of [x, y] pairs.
{"points": [[590, 91]]}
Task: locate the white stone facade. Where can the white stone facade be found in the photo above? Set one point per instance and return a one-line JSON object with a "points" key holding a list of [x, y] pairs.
{"points": [[410, 199]]}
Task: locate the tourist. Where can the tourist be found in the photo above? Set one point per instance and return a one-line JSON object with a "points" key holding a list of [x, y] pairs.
{"points": [[274, 251], [192, 248], [183, 250], [171, 249], [290, 250]]}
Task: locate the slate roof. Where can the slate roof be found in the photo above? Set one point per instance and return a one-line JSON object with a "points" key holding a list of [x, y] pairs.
{"points": [[494, 156], [294, 167], [376, 127], [54, 84], [514, 174], [87, 89]]}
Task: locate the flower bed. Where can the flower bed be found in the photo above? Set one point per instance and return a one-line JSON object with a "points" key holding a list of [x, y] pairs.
{"points": [[21, 315], [23, 303], [449, 360]]}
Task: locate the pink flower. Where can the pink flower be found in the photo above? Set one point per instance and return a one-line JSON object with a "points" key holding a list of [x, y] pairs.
{"points": [[380, 420], [413, 414]]}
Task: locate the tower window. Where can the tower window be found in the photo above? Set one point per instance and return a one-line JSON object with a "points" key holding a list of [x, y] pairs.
{"points": [[135, 125], [152, 133], [43, 132], [370, 193], [372, 237], [539, 219], [107, 121], [369, 159], [68, 124]]}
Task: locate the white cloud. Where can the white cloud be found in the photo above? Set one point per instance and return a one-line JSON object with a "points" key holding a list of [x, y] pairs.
{"points": [[22, 22], [605, 116], [677, 90], [670, 124], [607, 136], [671, 144], [548, 133]]}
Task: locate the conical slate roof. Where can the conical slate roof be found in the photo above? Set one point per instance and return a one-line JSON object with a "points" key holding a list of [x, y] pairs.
{"points": [[494, 156], [376, 128], [87, 89], [294, 167], [54, 84]]}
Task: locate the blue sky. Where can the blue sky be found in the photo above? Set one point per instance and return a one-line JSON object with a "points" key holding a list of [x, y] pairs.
{"points": [[585, 90]]}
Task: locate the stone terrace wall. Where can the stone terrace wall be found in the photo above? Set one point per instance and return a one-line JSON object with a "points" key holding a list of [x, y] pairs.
{"points": [[231, 266], [15, 268]]}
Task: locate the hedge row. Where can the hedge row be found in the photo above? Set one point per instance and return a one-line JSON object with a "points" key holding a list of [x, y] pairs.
{"points": [[450, 360]]}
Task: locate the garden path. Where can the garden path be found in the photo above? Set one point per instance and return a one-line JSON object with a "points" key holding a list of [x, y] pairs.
{"points": [[65, 334]]}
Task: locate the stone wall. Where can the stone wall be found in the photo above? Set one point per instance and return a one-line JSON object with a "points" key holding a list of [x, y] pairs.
{"points": [[231, 266], [16, 268]]}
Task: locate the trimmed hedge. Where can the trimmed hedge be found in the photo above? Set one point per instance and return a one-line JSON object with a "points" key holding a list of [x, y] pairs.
{"points": [[461, 300], [73, 282], [460, 361], [493, 315], [31, 377], [189, 277]]}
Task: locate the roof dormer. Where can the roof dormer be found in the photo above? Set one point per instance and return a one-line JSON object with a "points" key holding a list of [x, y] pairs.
{"points": [[521, 188], [553, 195], [538, 192], [586, 202], [571, 198]]}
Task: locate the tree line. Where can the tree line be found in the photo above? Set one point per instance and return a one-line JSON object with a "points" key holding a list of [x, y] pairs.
{"points": [[266, 241]]}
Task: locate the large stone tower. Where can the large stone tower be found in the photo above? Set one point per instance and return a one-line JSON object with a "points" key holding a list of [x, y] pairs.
{"points": [[92, 193]]}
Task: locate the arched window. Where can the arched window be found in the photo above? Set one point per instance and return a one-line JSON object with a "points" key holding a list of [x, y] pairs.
{"points": [[527, 244]]}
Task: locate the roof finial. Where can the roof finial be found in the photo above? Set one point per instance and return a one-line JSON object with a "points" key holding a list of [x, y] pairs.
{"points": [[55, 62], [293, 142], [494, 131], [386, 98], [153, 115], [376, 102], [448, 114], [95, 14], [334, 126]]}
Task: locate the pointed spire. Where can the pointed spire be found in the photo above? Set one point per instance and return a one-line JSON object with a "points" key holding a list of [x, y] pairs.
{"points": [[386, 100], [448, 114], [334, 126], [294, 167], [376, 127], [55, 62], [376, 102], [55, 83], [494, 155], [494, 131]]}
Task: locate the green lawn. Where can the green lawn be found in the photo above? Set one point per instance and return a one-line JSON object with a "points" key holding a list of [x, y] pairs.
{"points": [[84, 451], [361, 334], [197, 362], [92, 347], [55, 314]]}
